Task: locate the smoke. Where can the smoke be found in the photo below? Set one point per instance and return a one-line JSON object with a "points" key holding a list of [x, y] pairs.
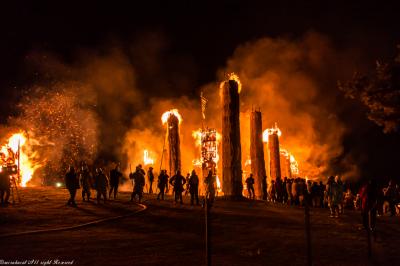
{"points": [[108, 103], [293, 83]]}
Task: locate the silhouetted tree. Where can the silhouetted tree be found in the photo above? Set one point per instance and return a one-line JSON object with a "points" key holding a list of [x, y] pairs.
{"points": [[379, 92]]}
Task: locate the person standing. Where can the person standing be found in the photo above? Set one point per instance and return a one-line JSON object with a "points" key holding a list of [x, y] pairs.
{"points": [[115, 176], [369, 198], [193, 185], [150, 176], [162, 184], [85, 179], [72, 184], [333, 197], [178, 181], [4, 186], [139, 181], [250, 186], [209, 181], [101, 185]]}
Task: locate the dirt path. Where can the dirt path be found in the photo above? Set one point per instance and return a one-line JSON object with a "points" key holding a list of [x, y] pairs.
{"points": [[242, 234]]}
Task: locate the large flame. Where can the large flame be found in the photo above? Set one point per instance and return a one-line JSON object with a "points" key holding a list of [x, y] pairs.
{"points": [[147, 160], [234, 77], [271, 131], [166, 115], [17, 143]]}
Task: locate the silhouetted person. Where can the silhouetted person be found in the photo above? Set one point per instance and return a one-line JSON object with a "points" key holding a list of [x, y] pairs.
{"points": [[162, 184], [115, 176], [139, 181], [193, 184], [369, 197], [150, 176], [177, 181], [250, 186], [333, 196], [72, 184], [279, 189], [285, 195], [4, 186], [209, 181], [272, 191], [85, 178], [101, 185]]}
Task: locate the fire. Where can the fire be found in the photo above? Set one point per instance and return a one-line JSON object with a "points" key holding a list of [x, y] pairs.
{"points": [[147, 160], [294, 166], [271, 131], [17, 143], [219, 188], [166, 115], [234, 77]]}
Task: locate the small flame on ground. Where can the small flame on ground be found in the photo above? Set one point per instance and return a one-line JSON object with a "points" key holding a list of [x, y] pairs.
{"points": [[166, 115]]}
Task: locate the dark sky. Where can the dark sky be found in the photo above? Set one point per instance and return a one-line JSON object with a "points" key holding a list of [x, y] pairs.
{"points": [[208, 32], [204, 33]]}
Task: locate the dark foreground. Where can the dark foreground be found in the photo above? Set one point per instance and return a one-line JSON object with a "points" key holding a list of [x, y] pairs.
{"points": [[168, 234]]}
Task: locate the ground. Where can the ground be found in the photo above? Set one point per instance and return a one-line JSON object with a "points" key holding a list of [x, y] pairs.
{"points": [[243, 233]]}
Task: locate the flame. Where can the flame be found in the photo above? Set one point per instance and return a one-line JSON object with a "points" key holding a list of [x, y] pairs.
{"points": [[166, 115], [271, 131], [18, 143], [146, 158], [219, 188], [234, 77], [199, 135], [294, 166]]}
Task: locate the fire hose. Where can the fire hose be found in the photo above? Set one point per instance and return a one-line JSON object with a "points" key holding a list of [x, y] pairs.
{"points": [[79, 226]]}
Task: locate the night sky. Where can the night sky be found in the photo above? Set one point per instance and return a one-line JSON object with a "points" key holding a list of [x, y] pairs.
{"points": [[197, 39]]}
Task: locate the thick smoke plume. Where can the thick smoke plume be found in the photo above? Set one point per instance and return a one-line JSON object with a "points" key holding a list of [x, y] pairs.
{"points": [[102, 99]]}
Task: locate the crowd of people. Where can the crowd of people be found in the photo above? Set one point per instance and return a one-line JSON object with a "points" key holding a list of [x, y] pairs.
{"points": [[334, 194], [106, 186]]}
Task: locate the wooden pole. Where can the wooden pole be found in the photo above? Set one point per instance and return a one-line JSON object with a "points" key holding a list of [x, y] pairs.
{"points": [[174, 144], [257, 155], [274, 156], [231, 148]]}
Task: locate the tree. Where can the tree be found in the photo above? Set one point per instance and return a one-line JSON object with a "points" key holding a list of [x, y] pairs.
{"points": [[379, 92]]}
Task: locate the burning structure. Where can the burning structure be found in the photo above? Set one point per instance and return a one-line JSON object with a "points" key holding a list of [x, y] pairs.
{"points": [[172, 118], [281, 162], [231, 148], [271, 136], [15, 159], [257, 155], [286, 170]]}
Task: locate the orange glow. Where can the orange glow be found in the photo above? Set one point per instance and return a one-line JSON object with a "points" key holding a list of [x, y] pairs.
{"points": [[271, 131], [166, 115], [147, 160], [233, 76]]}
